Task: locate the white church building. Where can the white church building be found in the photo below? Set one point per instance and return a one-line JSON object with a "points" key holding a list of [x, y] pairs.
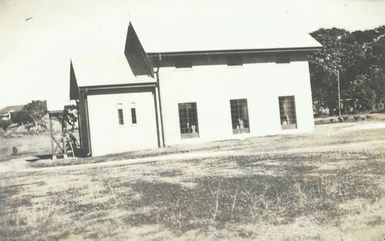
{"points": [[186, 89]]}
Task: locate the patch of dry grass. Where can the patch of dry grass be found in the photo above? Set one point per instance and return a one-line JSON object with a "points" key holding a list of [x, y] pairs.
{"points": [[326, 137], [327, 186], [26, 145]]}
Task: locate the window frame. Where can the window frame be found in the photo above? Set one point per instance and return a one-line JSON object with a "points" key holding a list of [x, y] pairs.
{"points": [[120, 110], [184, 107], [134, 116], [238, 103], [134, 120], [288, 116]]}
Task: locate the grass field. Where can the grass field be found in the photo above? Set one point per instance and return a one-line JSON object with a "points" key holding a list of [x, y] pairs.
{"points": [[26, 145], [325, 185]]}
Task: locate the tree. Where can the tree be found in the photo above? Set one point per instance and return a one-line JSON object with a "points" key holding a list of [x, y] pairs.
{"points": [[324, 64], [362, 93], [4, 124], [359, 58], [31, 113]]}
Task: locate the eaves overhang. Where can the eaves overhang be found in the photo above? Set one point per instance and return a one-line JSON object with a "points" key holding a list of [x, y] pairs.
{"points": [[120, 88], [235, 51]]}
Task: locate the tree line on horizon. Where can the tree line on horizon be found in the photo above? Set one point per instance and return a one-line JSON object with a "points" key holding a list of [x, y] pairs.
{"points": [[359, 59]]}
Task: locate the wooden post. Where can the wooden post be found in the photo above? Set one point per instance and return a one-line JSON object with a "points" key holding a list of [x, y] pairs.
{"points": [[63, 133], [339, 92], [51, 134]]}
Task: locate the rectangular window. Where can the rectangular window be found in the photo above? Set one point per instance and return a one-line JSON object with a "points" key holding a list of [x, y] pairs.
{"points": [[287, 112], [188, 120], [133, 115], [234, 60], [239, 116], [120, 114]]}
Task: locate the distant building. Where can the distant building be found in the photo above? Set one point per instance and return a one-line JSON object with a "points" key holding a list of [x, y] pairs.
{"points": [[6, 113], [214, 87]]}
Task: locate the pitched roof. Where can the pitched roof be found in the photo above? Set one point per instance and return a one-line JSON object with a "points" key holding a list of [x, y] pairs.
{"points": [[130, 66], [12, 108], [189, 36], [98, 70]]}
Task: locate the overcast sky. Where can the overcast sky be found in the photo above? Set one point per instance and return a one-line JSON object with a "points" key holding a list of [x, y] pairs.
{"points": [[38, 37]]}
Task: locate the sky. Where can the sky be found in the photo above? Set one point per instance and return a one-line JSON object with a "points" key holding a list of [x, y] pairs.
{"points": [[39, 37]]}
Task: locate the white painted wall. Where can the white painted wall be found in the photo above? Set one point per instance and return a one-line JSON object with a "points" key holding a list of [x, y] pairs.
{"points": [[212, 87], [107, 136]]}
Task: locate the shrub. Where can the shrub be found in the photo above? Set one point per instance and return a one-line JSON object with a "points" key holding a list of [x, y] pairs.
{"points": [[4, 124], [14, 150]]}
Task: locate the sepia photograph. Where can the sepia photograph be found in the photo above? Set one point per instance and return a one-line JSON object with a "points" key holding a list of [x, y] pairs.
{"points": [[192, 120]]}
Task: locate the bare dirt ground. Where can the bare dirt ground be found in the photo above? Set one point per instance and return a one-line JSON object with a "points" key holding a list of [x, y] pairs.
{"points": [[325, 185]]}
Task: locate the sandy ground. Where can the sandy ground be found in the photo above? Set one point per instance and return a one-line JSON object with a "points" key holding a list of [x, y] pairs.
{"points": [[368, 126], [325, 185]]}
